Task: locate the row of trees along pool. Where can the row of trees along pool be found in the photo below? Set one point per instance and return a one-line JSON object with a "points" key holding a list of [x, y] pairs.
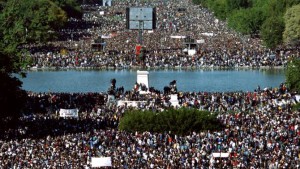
{"points": [[277, 22]]}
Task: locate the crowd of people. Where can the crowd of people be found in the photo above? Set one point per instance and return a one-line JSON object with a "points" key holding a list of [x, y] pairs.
{"points": [[261, 131], [218, 46]]}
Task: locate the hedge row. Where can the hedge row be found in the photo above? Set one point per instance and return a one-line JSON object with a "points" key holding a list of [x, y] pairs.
{"points": [[178, 121]]}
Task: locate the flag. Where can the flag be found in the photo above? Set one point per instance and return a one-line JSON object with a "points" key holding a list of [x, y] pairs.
{"points": [[138, 49]]}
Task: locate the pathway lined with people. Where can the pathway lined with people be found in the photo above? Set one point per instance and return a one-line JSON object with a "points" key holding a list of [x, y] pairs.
{"points": [[218, 45]]}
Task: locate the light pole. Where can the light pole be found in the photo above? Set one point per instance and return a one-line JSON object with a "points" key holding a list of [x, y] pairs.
{"points": [[141, 30]]}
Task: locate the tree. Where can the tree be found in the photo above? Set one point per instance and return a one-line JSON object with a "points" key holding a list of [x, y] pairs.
{"points": [[29, 21], [274, 20], [291, 34], [12, 98], [204, 3], [2, 3], [293, 75], [71, 7], [246, 21], [22, 22], [275, 7], [219, 8], [271, 31], [237, 4], [290, 3]]}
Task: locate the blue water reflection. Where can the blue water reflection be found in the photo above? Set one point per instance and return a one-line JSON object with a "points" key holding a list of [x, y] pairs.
{"points": [[191, 80]]}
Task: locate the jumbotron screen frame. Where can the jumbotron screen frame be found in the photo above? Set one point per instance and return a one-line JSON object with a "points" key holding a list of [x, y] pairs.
{"points": [[141, 18]]}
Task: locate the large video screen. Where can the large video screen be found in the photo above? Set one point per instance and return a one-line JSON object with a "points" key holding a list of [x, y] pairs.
{"points": [[140, 18]]}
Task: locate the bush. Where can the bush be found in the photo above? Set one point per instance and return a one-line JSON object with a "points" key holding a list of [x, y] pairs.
{"points": [[292, 75], [296, 107], [271, 31], [246, 21], [178, 121]]}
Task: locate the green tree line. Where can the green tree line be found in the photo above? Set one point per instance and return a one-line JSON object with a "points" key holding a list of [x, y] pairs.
{"points": [[23, 22], [275, 21], [178, 121]]}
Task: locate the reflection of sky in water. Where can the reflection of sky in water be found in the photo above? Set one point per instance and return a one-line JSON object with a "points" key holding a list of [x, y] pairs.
{"points": [[198, 80]]}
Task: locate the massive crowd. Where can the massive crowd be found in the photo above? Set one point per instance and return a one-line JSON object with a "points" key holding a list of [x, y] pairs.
{"points": [[261, 131], [218, 46]]}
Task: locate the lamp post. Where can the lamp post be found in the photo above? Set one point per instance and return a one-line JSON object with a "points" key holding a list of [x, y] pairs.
{"points": [[141, 29], [141, 54]]}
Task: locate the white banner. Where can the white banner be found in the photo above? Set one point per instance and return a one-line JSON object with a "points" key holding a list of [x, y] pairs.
{"points": [[200, 41], [101, 162], [178, 37], [223, 155], [130, 103], [207, 34], [68, 113], [191, 52], [101, 12], [106, 36], [298, 98]]}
